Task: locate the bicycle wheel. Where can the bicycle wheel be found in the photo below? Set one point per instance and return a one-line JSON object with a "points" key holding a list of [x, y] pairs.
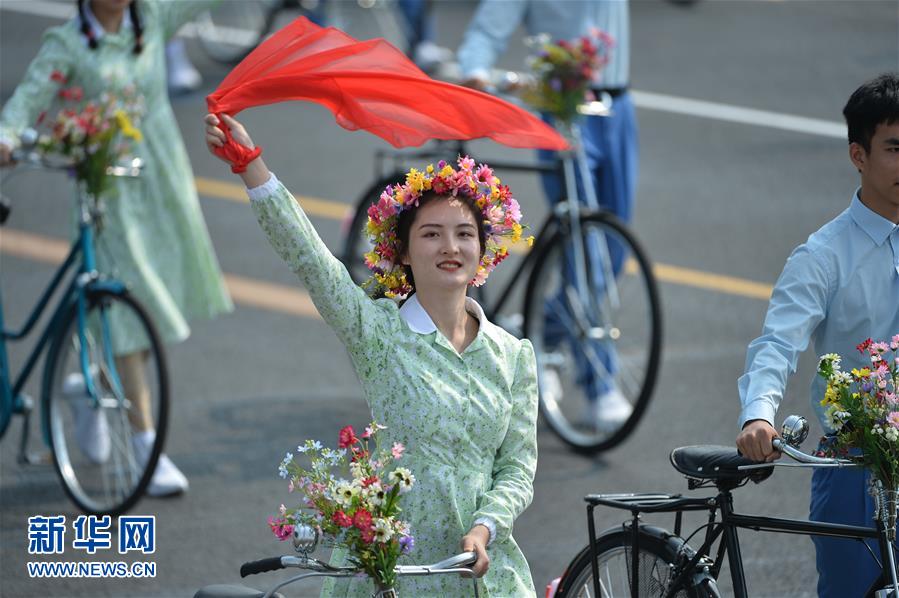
{"points": [[660, 552], [92, 436], [233, 29], [356, 243], [598, 348]]}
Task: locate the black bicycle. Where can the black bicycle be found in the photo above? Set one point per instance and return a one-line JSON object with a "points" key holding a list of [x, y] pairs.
{"points": [[666, 566], [591, 304]]}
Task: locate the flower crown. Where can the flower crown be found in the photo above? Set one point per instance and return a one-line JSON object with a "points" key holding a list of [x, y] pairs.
{"points": [[501, 214]]}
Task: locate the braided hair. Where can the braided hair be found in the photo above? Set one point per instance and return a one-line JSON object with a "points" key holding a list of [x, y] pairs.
{"points": [[135, 22]]}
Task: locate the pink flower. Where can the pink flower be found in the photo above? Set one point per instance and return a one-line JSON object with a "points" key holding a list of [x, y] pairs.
{"points": [[893, 419], [397, 450], [280, 528], [346, 437], [341, 519], [362, 520]]}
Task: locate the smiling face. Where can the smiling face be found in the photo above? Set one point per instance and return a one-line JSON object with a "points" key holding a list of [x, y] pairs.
{"points": [[879, 170], [444, 246]]}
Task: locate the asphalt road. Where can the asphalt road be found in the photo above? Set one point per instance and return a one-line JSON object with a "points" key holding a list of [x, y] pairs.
{"points": [[716, 197]]}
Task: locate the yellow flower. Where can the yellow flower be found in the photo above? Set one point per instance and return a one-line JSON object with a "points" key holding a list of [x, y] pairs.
{"points": [[128, 129], [530, 241], [416, 180], [430, 169], [516, 232], [447, 171], [862, 373]]}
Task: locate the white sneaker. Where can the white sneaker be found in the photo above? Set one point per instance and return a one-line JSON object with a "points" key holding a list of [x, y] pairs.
{"points": [[428, 56], [167, 479], [182, 75], [91, 427], [611, 410]]}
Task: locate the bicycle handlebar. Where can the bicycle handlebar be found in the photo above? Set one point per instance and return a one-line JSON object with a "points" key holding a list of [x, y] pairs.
{"points": [[453, 564], [809, 460], [261, 566]]}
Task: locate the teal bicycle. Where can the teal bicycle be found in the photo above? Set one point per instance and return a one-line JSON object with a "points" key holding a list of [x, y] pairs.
{"points": [[90, 408]]}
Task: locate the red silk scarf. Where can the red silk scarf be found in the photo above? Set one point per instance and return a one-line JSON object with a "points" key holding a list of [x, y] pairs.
{"points": [[368, 85]]}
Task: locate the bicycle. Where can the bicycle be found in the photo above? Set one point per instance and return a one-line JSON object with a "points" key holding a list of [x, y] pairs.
{"points": [[605, 314], [667, 566], [305, 540], [232, 30], [81, 384]]}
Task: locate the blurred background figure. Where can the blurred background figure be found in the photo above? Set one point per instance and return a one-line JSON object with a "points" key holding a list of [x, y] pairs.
{"points": [[154, 238], [610, 142], [421, 48], [183, 76]]}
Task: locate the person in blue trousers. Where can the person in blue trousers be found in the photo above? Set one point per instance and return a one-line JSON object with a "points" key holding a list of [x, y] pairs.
{"points": [[610, 143], [837, 289]]}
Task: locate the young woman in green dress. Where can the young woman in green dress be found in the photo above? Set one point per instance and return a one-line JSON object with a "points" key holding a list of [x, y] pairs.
{"points": [[154, 238], [458, 391]]}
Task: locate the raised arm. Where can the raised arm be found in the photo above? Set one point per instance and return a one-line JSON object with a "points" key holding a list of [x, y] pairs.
{"points": [[172, 14], [342, 304]]}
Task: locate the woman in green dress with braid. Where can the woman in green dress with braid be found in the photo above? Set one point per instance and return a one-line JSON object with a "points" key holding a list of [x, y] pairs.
{"points": [[458, 391], [154, 238]]}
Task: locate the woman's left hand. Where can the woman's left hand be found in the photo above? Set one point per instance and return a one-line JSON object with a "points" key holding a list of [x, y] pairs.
{"points": [[476, 541]]}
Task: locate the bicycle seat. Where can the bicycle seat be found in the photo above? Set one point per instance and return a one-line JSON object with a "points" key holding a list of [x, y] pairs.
{"points": [[231, 591], [716, 463]]}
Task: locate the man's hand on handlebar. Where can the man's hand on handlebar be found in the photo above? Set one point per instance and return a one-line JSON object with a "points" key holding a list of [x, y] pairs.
{"points": [[755, 441]]}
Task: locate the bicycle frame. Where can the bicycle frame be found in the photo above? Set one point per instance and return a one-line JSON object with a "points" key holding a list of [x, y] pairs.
{"points": [[82, 259], [725, 530]]}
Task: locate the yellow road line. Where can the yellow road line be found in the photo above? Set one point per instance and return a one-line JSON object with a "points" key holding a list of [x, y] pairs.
{"points": [[324, 208], [246, 291]]}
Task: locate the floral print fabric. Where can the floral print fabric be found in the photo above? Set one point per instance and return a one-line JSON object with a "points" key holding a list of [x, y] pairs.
{"points": [[468, 420], [154, 238]]}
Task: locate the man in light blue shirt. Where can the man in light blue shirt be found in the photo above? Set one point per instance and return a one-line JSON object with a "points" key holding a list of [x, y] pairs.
{"points": [[836, 290], [610, 143]]}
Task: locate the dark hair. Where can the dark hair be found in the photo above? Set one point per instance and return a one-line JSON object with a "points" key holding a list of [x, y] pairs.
{"points": [[135, 22], [407, 217], [876, 102]]}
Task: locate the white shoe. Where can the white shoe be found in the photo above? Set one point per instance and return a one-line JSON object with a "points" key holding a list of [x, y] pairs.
{"points": [[182, 75], [91, 427], [167, 479], [428, 56], [611, 410]]}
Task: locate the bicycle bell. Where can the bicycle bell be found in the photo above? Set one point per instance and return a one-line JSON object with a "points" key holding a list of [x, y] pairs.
{"points": [[305, 538], [794, 430], [28, 138]]}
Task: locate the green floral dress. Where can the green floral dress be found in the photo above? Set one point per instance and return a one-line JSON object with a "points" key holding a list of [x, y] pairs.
{"points": [[154, 238], [468, 421]]}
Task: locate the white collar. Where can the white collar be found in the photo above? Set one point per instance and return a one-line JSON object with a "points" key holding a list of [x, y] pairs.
{"points": [[97, 28], [419, 321]]}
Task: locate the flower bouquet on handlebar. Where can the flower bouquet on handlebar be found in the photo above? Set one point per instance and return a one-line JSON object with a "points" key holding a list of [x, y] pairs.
{"points": [[95, 135], [862, 408], [564, 71], [359, 512]]}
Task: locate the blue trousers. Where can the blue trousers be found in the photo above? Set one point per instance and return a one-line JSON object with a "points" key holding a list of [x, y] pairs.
{"points": [[611, 146], [845, 568], [419, 23]]}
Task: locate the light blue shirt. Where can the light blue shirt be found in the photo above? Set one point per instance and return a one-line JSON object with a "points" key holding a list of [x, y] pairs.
{"points": [[839, 288], [495, 21]]}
